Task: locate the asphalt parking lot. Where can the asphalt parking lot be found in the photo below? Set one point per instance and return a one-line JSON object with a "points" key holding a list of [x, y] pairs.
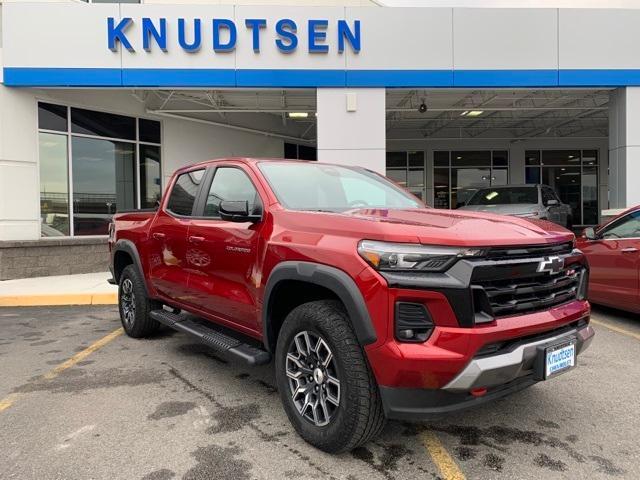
{"points": [[164, 408]]}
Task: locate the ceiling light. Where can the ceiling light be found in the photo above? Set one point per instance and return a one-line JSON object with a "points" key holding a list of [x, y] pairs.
{"points": [[463, 114], [475, 113], [298, 114]]}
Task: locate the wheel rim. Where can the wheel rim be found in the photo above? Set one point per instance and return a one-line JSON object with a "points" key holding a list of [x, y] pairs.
{"points": [[127, 302], [313, 378]]}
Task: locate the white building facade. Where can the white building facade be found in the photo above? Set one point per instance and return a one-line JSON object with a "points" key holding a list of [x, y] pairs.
{"points": [[100, 103]]}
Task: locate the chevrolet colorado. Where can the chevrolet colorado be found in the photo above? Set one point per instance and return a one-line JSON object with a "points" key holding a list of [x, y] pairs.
{"points": [[372, 305]]}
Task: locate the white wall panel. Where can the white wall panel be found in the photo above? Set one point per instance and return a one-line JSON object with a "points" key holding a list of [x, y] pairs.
{"points": [[486, 39], [340, 129], [597, 38], [403, 38], [57, 35], [352, 137]]}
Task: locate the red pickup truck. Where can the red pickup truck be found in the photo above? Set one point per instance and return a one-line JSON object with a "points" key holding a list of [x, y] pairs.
{"points": [[371, 304]]}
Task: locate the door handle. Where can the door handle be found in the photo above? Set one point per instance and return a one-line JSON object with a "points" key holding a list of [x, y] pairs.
{"points": [[158, 235], [193, 239], [629, 250]]}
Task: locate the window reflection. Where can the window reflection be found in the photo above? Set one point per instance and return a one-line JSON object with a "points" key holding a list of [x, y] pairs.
{"points": [[54, 187], [573, 174], [407, 169], [149, 176], [459, 174], [103, 182], [109, 158]]}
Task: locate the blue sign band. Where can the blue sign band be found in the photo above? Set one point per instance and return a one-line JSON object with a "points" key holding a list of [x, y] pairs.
{"points": [[184, 77]]}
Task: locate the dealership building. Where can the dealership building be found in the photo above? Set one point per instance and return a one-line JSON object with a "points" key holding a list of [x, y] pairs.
{"points": [[101, 102]]}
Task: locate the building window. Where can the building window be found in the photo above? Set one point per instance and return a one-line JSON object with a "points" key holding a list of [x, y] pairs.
{"points": [[573, 174], [408, 170], [94, 164], [457, 175], [300, 152]]}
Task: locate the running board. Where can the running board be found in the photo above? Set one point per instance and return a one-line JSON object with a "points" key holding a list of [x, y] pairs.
{"points": [[211, 337]]}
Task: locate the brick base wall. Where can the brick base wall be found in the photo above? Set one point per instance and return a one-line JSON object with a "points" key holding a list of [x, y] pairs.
{"points": [[53, 256]]}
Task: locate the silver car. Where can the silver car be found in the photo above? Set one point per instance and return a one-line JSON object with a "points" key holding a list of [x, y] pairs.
{"points": [[529, 201]]}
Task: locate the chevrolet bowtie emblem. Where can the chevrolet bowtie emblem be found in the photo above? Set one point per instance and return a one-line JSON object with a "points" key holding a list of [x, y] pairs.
{"points": [[552, 265]]}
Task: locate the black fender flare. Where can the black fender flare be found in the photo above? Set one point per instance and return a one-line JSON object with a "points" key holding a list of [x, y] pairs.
{"points": [[130, 248], [331, 278]]}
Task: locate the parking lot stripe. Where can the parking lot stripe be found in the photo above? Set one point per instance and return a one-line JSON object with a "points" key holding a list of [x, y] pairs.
{"points": [[78, 357], [623, 331], [8, 401], [12, 397], [449, 469]]}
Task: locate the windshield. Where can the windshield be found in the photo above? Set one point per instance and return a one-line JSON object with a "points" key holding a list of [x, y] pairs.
{"points": [[505, 196], [314, 186]]}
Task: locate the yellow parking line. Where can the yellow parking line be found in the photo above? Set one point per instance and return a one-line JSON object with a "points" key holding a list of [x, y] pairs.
{"points": [[8, 401], [11, 398], [449, 469], [623, 331]]}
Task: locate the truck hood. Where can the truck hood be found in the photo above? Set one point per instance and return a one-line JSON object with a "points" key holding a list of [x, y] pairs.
{"points": [[511, 209], [428, 226]]}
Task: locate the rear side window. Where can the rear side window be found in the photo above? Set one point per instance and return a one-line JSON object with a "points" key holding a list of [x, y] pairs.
{"points": [[183, 195], [230, 184], [547, 194]]}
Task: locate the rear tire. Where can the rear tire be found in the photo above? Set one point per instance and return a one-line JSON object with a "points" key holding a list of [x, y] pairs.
{"points": [[342, 408], [134, 304]]}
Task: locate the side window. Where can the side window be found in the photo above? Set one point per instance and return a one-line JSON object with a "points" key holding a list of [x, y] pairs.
{"points": [[628, 227], [184, 193], [230, 184], [547, 194]]}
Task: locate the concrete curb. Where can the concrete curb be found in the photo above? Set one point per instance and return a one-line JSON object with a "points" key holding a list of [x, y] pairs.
{"points": [[61, 299]]}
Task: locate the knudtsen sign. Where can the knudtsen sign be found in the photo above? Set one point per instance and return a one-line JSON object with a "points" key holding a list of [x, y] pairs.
{"points": [[188, 34]]}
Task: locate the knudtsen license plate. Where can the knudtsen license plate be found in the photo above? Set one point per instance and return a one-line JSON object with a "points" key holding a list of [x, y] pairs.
{"points": [[559, 358]]}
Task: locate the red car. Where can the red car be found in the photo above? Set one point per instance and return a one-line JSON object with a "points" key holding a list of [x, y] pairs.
{"points": [[613, 253], [371, 305]]}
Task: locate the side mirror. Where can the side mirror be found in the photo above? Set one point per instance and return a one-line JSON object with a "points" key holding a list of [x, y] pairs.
{"points": [[237, 211], [550, 203], [589, 233]]}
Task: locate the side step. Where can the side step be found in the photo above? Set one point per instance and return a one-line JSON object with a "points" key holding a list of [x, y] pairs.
{"points": [[212, 338]]}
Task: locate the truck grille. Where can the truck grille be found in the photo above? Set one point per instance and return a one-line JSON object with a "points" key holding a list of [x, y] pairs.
{"points": [[504, 253], [531, 293]]}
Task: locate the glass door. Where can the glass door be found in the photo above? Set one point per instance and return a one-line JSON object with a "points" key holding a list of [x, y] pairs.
{"points": [[459, 174], [407, 169]]}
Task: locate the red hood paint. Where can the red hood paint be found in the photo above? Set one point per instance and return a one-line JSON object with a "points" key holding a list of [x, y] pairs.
{"points": [[427, 226]]}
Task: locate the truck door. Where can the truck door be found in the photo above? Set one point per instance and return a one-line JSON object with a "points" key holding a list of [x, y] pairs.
{"points": [[223, 254], [168, 265], [555, 210], [614, 260]]}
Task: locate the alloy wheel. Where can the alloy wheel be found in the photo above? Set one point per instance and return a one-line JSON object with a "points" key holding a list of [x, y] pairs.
{"points": [[313, 378], [127, 302]]}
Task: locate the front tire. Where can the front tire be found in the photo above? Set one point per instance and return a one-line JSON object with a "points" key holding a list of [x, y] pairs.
{"points": [[326, 386], [134, 305]]}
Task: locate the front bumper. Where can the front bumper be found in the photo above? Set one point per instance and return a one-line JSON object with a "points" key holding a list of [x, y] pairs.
{"points": [[502, 373], [517, 361], [414, 404]]}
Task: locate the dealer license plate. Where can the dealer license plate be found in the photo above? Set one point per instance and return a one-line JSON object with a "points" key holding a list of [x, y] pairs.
{"points": [[559, 358]]}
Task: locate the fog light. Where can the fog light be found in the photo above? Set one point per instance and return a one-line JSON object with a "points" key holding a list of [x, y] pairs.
{"points": [[405, 334]]}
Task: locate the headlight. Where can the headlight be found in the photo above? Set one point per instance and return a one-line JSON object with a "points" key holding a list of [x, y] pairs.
{"points": [[394, 257]]}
